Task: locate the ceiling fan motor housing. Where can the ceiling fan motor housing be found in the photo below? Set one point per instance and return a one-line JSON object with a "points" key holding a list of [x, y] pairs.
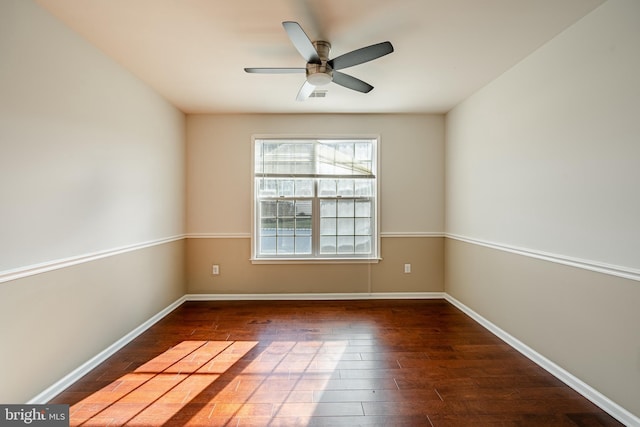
{"points": [[320, 74]]}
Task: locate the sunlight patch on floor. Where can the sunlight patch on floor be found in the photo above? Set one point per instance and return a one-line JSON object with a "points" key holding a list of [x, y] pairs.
{"points": [[159, 389]]}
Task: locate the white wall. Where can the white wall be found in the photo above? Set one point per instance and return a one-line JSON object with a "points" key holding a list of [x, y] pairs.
{"points": [[91, 160], [543, 162], [546, 157]]}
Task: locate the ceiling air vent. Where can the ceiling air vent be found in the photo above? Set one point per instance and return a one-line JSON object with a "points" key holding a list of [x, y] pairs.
{"points": [[318, 94]]}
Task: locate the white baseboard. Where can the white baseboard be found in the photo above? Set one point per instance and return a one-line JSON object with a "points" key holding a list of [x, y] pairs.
{"points": [[606, 404], [316, 296], [92, 363]]}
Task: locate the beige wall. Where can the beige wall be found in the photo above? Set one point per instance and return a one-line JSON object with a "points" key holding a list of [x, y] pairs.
{"points": [[219, 204], [544, 161], [219, 166], [91, 161], [52, 323], [239, 276]]}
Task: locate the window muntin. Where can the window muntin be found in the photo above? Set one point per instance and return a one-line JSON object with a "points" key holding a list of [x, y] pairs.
{"points": [[315, 199]]}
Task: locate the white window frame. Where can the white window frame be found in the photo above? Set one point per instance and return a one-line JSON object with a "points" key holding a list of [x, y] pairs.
{"points": [[316, 257]]}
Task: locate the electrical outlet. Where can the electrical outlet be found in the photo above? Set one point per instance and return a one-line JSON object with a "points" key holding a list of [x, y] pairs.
{"points": [[407, 268], [215, 270]]}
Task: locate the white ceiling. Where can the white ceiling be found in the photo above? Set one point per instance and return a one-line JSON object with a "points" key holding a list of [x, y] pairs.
{"points": [[193, 52]]}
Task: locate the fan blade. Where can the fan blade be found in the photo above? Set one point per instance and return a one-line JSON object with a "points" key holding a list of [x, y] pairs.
{"points": [[306, 90], [275, 70], [301, 41], [351, 82], [361, 55]]}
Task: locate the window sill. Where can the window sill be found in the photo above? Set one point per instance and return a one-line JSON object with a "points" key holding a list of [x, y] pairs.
{"points": [[315, 260]]}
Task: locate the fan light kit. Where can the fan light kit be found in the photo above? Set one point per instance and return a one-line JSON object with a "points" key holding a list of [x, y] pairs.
{"points": [[320, 70]]}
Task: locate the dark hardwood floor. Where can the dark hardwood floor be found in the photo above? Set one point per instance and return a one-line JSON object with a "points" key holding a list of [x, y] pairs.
{"points": [[323, 363]]}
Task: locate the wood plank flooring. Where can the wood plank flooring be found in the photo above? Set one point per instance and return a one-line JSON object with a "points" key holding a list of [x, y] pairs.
{"points": [[323, 363]]}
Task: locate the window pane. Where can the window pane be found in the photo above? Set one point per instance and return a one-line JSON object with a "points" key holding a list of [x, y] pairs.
{"points": [[363, 187], [328, 208], [268, 208], [345, 208], [345, 187], [346, 149], [363, 151], [267, 187], [327, 188], [363, 226], [268, 245], [304, 208], [285, 208], [345, 244], [345, 226], [257, 160], [303, 229], [328, 244], [304, 218], [268, 227], [303, 226], [363, 159], [303, 245], [363, 208], [304, 159], [286, 188], [286, 245], [363, 245], [327, 226], [304, 188], [365, 167], [285, 226], [326, 156]]}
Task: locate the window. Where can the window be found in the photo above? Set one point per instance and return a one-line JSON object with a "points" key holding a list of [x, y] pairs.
{"points": [[315, 199]]}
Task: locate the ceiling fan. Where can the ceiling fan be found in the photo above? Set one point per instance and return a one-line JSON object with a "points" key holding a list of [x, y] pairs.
{"points": [[321, 70]]}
